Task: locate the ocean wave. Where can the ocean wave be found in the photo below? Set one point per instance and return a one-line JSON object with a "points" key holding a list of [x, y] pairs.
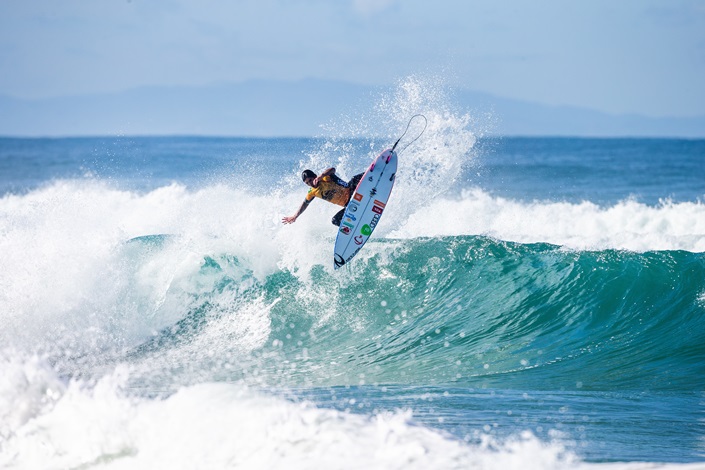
{"points": [[455, 310], [257, 301]]}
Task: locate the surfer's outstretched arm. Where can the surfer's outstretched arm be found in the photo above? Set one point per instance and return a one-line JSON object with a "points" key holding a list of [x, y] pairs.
{"points": [[292, 219]]}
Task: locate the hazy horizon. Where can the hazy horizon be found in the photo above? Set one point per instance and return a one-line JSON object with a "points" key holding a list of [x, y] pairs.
{"points": [[308, 108], [603, 60]]}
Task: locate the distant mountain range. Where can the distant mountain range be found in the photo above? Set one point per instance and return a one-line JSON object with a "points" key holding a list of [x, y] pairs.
{"points": [[278, 108]]}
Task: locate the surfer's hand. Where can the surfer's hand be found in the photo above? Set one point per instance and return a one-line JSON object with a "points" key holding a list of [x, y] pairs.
{"points": [[288, 220]]}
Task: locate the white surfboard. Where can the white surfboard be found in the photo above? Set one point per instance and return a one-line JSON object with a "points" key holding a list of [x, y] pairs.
{"points": [[365, 208]]}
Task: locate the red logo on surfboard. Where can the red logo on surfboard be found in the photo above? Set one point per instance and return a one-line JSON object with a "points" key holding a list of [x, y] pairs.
{"points": [[378, 207]]}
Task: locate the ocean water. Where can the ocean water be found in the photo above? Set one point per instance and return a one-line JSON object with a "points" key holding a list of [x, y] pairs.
{"points": [[524, 303]]}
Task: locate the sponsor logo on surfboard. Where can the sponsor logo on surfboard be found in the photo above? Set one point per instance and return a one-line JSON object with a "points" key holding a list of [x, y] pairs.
{"points": [[346, 227], [358, 197], [358, 240], [350, 216], [378, 207], [339, 261], [352, 206], [373, 222], [368, 228]]}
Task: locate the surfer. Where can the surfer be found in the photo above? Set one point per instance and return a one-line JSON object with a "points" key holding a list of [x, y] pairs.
{"points": [[328, 186]]}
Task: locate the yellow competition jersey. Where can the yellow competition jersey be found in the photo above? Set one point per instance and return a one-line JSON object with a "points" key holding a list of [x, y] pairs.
{"points": [[331, 190]]}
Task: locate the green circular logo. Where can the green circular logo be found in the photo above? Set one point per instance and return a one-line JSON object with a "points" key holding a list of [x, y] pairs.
{"points": [[366, 230]]}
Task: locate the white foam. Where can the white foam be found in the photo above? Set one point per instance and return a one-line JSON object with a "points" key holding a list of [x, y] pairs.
{"points": [[627, 225], [224, 426], [67, 273], [27, 387], [218, 425]]}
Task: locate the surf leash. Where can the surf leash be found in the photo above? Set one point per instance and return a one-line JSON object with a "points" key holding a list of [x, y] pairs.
{"points": [[407, 129]]}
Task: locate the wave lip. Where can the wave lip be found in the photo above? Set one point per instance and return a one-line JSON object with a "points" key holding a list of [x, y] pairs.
{"points": [[627, 225]]}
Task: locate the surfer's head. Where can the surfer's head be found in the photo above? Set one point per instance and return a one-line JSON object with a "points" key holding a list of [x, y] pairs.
{"points": [[306, 175]]}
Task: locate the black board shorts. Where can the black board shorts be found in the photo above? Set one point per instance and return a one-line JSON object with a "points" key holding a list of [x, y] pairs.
{"points": [[352, 184]]}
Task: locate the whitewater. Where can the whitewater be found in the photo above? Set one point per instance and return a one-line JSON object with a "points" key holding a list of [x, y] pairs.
{"points": [[524, 303]]}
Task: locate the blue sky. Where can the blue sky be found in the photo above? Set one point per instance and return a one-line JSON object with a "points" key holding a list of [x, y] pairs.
{"points": [[619, 56]]}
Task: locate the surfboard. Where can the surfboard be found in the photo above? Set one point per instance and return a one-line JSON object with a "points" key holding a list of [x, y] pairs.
{"points": [[365, 208]]}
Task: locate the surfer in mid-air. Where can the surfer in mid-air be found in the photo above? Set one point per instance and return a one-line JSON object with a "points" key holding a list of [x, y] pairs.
{"points": [[328, 186]]}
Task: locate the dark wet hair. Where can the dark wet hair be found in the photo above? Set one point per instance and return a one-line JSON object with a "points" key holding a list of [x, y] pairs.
{"points": [[307, 174]]}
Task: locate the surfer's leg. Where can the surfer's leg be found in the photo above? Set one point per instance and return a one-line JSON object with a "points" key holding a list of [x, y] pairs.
{"points": [[354, 181], [338, 217]]}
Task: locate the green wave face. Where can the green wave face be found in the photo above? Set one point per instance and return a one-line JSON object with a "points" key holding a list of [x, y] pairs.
{"points": [[467, 311]]}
